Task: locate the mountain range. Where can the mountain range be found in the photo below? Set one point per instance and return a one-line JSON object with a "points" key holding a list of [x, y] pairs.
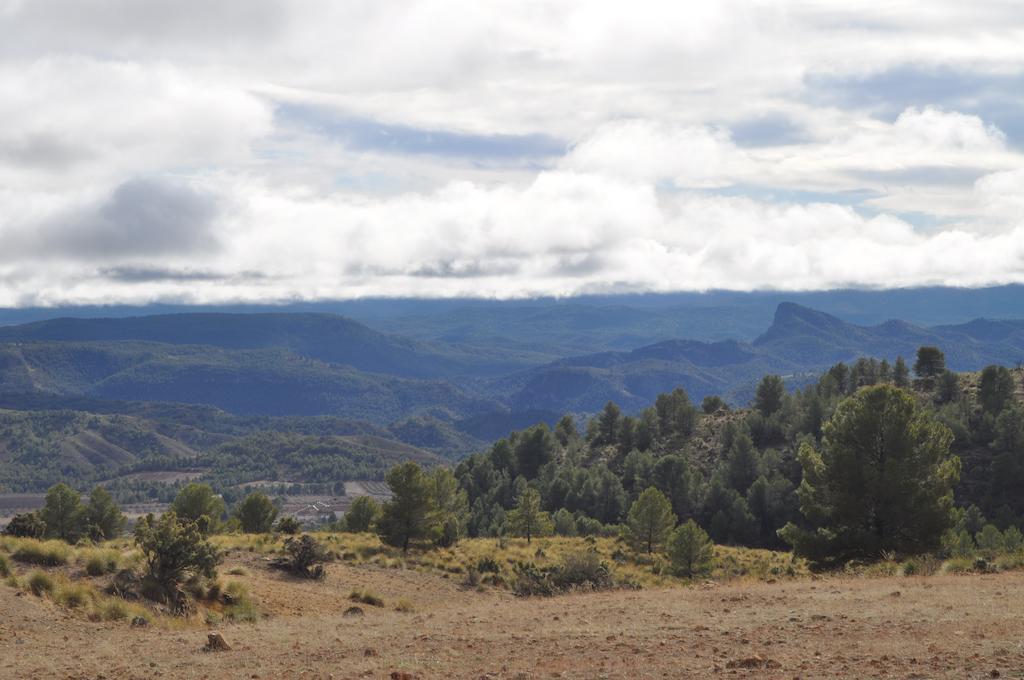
{"points": [[311, 364]]}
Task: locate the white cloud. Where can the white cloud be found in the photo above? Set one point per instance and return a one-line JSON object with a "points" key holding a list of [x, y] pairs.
{"points": [[167, 109]]}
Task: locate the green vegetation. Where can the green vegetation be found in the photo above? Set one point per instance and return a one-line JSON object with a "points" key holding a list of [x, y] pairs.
{"points": [[304, 557], [256, 513], [650, 520], [362, 515], [690, 550], [883, 481], [174, 550], [527, 519]]}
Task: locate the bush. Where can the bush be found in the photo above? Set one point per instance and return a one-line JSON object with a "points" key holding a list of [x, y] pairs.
{"points": [[583, 570], [288, 525], [404, 606], [46, 553], [989, 540], [26, 525], [1013, 540], [175, 551], [690, 550], [303, 557], [488, 565], [40, 583], [5, 567]]}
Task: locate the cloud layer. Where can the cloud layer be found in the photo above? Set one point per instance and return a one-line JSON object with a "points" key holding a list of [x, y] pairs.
{"points": [[196, 152]]}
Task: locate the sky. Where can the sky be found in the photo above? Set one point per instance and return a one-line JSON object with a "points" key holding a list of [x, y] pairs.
{"points": [[213, 151]]}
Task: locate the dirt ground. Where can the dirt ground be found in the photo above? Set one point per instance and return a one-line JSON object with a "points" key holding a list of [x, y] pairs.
{"points": [[968, 626]]}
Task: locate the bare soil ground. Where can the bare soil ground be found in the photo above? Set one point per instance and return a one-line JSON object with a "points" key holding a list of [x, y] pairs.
{"points": [[943, 626]]}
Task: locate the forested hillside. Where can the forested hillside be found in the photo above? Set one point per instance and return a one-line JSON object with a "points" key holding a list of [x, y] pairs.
{"points": [[737, 471]]}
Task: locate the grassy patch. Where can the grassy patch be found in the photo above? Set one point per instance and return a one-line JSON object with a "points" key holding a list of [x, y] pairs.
{"points": [[44, 553], [240, 606], [40, 583], [366, 597], [100, 561]]}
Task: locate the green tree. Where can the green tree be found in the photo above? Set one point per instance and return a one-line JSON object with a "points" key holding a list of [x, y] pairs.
{"points": [[256, 513], [449, 508], [198, 503], [948, 387], [882, 482], [527, 519], [608, 424], [770, 392], [930, 363], [741, 463], [650, 519], [995, 388], [175, 550], [533, 449], [63, 513], [673, 477], [900, 373], [564, 522], [712, 404], [690, 550], [103, 519], [288, 525], [989, 540], [362, 514], [405, 517]]}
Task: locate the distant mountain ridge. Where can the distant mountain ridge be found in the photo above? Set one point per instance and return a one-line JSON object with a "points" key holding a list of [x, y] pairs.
{"points": [[436, 394]]}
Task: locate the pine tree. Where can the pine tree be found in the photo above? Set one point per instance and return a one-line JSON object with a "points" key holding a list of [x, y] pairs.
{"points": [[103, 519], [405, 517], [63, 513], [256, 513], [527, 519], [883, 480], [690, 550], [650, 519]]}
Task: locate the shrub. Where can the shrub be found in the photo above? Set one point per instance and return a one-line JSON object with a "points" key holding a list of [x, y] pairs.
{"points": [[238, 571], [1013, 540], [5, 567], [404, 606], [40, 583], [366, 597], [174, 552], [690, 550], [46, 553], [26, 525], [989, 540], [288, 525], [303, 557], [583, 570], [488, 565]]}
